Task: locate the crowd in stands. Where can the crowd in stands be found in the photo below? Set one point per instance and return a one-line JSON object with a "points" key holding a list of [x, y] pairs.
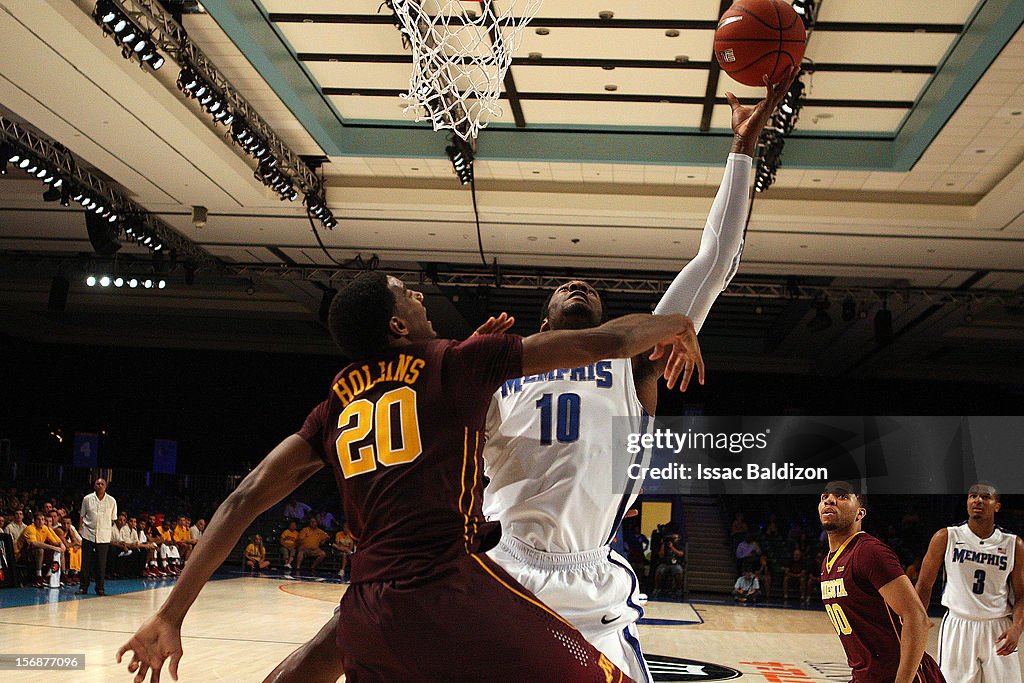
{"points": [[41, 533]]}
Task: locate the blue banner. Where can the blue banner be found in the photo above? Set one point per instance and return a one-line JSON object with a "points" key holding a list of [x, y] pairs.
{"points": [[87, 450], [165, 456]]}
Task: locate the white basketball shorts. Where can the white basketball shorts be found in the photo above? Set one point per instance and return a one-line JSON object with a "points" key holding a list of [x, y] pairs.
{"points": [[967, 651], [596, 591]]}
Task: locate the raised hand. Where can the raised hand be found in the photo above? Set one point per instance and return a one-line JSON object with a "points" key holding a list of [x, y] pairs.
{"points": [[155, 641], [748, 122], [496, 325]]}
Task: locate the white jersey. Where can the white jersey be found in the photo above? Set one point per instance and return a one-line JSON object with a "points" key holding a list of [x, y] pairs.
{"points": [[549, 453], [978, 573]]}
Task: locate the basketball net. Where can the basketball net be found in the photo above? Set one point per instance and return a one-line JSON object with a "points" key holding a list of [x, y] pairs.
{"points": [[460, 54]]}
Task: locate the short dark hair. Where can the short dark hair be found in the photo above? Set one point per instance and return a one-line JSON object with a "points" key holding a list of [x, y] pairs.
{"points": [[360, 313]]}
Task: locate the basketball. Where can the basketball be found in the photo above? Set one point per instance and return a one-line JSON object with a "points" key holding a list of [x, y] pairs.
{"points": [[756, 38]]}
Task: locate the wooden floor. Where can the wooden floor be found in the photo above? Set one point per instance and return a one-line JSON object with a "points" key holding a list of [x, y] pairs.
{"points": [[240, 628]]}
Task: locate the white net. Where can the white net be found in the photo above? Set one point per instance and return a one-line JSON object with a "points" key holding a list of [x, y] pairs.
{"points": [[460, 54]]}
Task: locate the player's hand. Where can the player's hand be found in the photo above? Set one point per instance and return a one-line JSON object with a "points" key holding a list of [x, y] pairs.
{"points": [[1009, 639], [684, 357], [748, 122], [155, 641], [496, 325]]}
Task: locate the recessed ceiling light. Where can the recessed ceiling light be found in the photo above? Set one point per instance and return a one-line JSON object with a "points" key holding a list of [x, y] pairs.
{"points": [[605, 14], [542, 31], [611, 87], [682, 59], [672, 33]]}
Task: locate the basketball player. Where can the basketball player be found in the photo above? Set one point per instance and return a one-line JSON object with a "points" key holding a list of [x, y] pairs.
{"points": [[977, 639], [872, 605], [554, 500], [392, 429], [551, 444]]}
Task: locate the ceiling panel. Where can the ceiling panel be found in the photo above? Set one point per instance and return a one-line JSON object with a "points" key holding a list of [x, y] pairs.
{"points": [[594, 79], [617, 44]]}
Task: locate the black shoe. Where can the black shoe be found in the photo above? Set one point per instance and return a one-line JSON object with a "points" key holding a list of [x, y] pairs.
{"points": [[100, 591]]}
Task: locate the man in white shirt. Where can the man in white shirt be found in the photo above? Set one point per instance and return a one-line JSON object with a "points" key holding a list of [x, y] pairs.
{"points": [[122, 543], [99, 511], [197, 529], [16, 525]]}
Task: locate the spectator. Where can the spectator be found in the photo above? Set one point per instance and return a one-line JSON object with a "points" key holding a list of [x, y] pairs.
{"points": [[747, 588], [747, 554], [170, 557], [289, 541], [182, 537], [197, 530], [326, 520], [73, 556], [310, 540], [670, 564], [814, 575], [771, 530], [739, 528], [344, 544], [763, 574], [296, 510], [256, 554], [16, 525], [99, 511], [121, 541], [146, 548], [39, 544], [796, 572]]}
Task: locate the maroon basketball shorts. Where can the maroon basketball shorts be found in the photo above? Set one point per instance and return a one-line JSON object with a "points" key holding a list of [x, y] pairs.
{"points": [[469, 621]]}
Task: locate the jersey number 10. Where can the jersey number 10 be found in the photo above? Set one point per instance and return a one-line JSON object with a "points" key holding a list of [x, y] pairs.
{"points": [[396, 432], [565, 415]]}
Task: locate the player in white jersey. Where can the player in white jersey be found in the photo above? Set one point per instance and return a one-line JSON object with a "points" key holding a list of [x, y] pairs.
{"points": [[551, 441], [984, 569]]}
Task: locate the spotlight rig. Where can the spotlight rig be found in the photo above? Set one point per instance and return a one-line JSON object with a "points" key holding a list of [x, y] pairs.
{"points": [[135, 43], [209, 98], [460, 153], [316, 207], [773, 138]]}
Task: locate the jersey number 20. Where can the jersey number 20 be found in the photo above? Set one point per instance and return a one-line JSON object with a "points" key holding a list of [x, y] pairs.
{"points": [[396, 430]]}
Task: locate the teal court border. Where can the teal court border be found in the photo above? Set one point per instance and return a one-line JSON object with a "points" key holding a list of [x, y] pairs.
{"points": [[990, 27]]}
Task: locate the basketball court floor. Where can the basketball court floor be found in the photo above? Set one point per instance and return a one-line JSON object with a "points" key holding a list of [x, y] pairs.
{"points": [[240, 628]]}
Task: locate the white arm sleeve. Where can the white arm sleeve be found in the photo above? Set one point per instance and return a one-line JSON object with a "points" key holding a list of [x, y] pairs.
{"points": [[695, 289]]}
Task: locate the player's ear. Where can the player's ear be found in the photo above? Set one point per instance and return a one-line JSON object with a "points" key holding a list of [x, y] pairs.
{"points": [[397, 327], [544, 326], [862, 513]]}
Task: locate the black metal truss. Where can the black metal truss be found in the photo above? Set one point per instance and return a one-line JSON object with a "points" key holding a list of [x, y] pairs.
{"points": [[169, 37], [68, 168]]}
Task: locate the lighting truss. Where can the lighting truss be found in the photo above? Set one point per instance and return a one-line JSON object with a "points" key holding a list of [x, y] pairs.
{"points": [[119, 25], [72, 183], [169, 37], [460, 153]]}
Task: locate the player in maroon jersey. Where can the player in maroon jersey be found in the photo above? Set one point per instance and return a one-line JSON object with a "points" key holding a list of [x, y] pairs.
{"points": [[869, 599], [401, 429]]}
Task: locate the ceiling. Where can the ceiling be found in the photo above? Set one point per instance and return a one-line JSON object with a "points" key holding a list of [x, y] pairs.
{"points": [[903, 179]]}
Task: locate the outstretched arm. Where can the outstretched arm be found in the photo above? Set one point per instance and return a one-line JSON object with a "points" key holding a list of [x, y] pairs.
{"points": [[698, 284], [930, 566], [281, 472]]}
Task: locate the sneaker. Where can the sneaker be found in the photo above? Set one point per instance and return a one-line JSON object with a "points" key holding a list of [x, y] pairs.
{"points": [[287, 565], [341, 573], [40, 582]]}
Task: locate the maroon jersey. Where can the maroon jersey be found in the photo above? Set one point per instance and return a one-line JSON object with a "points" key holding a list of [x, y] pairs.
{"points": [[403, 432], [868, 628]]}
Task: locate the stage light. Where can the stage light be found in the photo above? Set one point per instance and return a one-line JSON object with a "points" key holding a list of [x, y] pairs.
{"points": [[461, 155], [119, 281], [105, 281], [135, 42], [805, 9], [160, 284], [148, 284], [91, 281], [133, 282]]}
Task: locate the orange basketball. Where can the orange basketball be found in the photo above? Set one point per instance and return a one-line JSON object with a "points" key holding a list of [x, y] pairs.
{"points": [[757, 38]]}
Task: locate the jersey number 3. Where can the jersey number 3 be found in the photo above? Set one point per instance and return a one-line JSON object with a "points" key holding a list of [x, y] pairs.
{"points": [[396, 432]]}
